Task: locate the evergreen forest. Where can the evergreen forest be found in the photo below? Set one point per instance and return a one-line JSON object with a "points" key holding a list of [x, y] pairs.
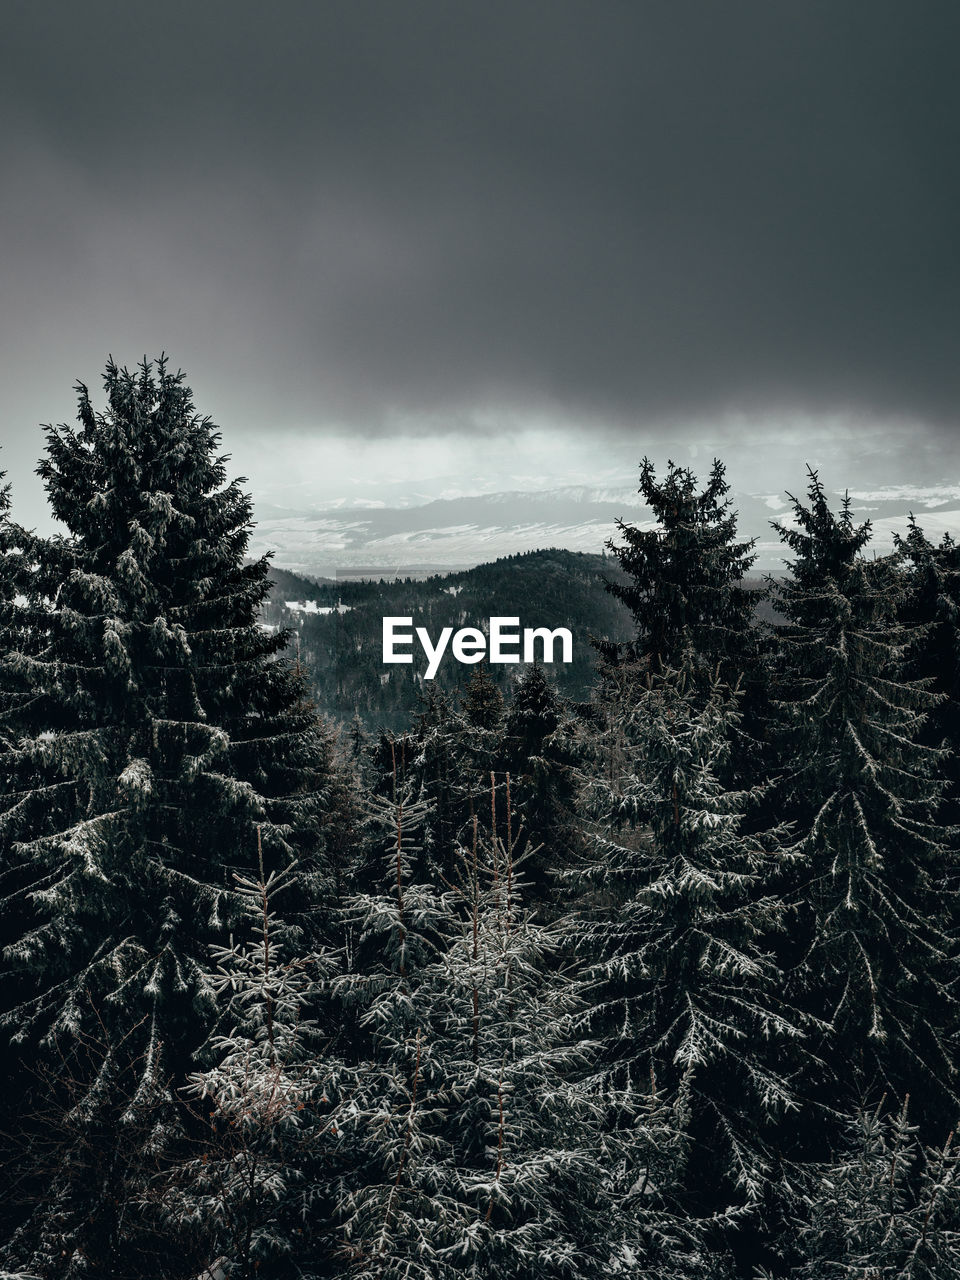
{"points": [[337, 627], [656, 978]]}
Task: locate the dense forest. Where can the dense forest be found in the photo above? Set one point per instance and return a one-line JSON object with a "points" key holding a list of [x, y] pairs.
{"points": [[337, 627], [660, 980]]}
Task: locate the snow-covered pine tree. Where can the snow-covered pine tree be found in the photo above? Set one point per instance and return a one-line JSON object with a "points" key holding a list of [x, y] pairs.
{"points": [[539, 751], [482, 702], [392, 914], [480, 733], [393, 928], [683, 578], [340, 817], [440, 746], [930, 607], [872, 886], [684, 992], [455, 750], [255, 1188], [883, 1206], [164, 730], [390, 923], [16, 567], [391, 787], [480, 1153], [359, 739], [684, 581], [21, 637], [15, 571], [23, 1162]]}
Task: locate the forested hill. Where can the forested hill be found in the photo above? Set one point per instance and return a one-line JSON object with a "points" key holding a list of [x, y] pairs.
{"points": [[342, 647]]}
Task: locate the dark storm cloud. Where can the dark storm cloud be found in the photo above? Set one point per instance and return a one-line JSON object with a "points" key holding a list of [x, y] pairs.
{"points": [[361, 213]]}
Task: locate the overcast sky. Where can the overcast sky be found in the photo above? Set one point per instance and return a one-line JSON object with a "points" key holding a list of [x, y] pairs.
{"points": [[595, 229]]}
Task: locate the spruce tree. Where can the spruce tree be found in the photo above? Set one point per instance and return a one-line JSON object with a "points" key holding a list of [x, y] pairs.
{"points": [[684, 993], [392, 793], [480, 735], [479, 1153], [15, 571], [450, 758], [396, 901], [24, 1166], [930, 608], [872, 885], [439, 761], [482, 702], [254, 1187], [539, 753], [883, 1206], [163, 730], [22, 636], [682, 580]]}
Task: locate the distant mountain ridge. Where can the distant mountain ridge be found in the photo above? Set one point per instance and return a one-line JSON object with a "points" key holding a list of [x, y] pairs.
{"points": [[480, 528]]}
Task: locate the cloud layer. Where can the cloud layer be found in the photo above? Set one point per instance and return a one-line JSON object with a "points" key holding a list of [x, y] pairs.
{"points": [[399, 218]]}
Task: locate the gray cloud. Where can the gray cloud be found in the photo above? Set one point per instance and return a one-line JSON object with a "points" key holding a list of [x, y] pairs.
{"points": [[358, 213]]}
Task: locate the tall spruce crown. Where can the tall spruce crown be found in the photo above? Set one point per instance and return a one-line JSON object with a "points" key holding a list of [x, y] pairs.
{"points": [[162, 728]]}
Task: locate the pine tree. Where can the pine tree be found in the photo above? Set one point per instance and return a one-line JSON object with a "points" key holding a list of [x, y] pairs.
{"points": [[15, 571], [480, 736], [392, 913], [339, 820], [930, 609], [685, 992], [450, 758], [21, 638], [393, 928], [884, 1206], [482, 701], [684, 582], [871, 887], [163, 730], [16, 566], [539, 753], [683, 578], [439, 766], [392, 794], [358, 737], [255, 1189], [479, 1153]]}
